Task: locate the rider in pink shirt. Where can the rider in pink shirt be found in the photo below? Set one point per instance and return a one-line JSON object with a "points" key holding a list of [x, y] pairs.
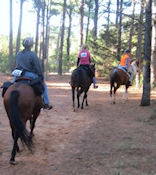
{"points": [[84, 59]]}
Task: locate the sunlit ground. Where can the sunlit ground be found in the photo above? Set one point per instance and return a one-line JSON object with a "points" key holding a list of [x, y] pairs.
{"points": [[105, 88]]}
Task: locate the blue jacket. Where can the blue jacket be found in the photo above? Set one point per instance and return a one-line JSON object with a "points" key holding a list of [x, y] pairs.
{"points": [[28, 61]]}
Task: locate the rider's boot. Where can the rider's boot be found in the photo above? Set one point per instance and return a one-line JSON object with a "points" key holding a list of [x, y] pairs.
{"points": [[129, 83], [94, 83], [47, 106]]}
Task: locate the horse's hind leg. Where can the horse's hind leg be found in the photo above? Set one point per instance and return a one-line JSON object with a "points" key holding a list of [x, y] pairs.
{"points": [[114, 95], [125, 96], [79, 92], [13, 136], [111, 87], [73, 97], [13, 154], [84, 97], [32, 125]]}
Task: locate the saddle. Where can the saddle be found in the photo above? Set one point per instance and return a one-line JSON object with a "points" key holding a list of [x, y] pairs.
{"points": [[124, 70], [88, 70], [36, 84]]}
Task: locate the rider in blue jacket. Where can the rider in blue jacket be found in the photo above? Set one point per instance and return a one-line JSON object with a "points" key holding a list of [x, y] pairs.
{"points": [[29, 62]]}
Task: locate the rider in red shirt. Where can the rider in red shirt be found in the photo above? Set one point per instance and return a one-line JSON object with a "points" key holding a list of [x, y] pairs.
{"points": [[84, 59]]}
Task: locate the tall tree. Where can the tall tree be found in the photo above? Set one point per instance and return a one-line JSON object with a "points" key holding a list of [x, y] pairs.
{"points": [[62, 39], [119, 30], [95, 19], [108, 17], [81, 21], [11, 39], [117, 12], [88, 18], [38, 9], [19, 26], [145, 101], [139, 41], [132, 26], [153, 56], [69, 28], [43, 56]]}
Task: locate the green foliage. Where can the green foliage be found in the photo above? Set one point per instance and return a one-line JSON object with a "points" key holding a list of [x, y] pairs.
{"points": [[4, 54]]}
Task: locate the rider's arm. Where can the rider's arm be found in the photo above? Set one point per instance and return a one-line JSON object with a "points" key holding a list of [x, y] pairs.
{"points": [[37, 66], [128, 63], [78, 60]]}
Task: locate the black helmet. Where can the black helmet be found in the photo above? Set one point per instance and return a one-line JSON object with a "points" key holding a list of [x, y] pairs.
{"points": [[28, 42], [127, 51]]}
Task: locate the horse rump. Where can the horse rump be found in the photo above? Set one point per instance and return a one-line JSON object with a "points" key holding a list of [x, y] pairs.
{"points": [[17, 124]]}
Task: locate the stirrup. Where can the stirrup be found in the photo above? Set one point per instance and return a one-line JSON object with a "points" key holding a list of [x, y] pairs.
{"points": [[95, 86], [47, 106]]}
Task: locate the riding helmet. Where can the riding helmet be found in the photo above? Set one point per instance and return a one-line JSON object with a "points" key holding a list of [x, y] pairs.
{"points": [[28, 42], [127, 51]]}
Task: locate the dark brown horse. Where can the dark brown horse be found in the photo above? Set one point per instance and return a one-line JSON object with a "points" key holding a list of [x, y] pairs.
{"points": [[81, 79], [119, 77], [21, 104]]}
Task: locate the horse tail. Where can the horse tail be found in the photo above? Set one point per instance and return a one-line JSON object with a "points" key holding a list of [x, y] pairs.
{"points": [[15, 119], [75, 78], [112, 79], [73, 97]]}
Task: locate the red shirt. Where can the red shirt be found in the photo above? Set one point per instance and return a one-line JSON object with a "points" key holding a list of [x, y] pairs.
{"points": [[84, 57]]}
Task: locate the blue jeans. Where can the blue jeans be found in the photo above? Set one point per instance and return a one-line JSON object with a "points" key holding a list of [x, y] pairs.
{"points": [[34, 76]]}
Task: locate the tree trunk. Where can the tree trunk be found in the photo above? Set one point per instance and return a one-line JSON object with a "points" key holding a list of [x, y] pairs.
{"points": [[81, 22], [19, 27], [117, 12], [11, 40], [145, 101], [43, 37], [88, 20], [119, 31], [95, 19], [69, 32], [62, 39], [37, 29], [47, 37], [108, 17], [139, 43], [153, 56], [132, 26]]}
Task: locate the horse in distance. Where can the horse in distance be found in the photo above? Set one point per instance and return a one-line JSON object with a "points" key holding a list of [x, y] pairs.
{"points": [[81, 79], [120, 77]]}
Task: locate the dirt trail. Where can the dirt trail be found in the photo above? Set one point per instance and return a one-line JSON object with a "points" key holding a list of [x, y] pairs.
{"points": [[102, 139]]}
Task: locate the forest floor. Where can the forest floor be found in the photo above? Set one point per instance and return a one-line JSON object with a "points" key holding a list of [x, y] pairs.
{"points": [[101, 139]]}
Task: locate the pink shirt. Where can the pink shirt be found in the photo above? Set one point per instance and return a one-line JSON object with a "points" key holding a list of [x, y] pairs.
{"points": [[84, 56]]}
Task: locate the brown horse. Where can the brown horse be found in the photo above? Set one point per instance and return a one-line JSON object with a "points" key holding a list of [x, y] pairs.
{"points": [[21, 104], [120, 77]]}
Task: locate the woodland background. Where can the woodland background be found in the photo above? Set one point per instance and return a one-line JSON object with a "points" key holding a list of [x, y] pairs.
{"points": [[108, 27]]}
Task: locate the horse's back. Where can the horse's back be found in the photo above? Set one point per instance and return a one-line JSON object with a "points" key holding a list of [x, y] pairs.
{"points": [[27, 98], [119, 76], [80, 78]]}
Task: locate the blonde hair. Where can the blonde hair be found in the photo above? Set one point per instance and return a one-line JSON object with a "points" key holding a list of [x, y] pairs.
{"points": [[84, 46]]}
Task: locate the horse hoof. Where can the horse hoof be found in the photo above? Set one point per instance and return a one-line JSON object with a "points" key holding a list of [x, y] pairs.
{"points": [[113, 102], [31, 135], [13, 162]]}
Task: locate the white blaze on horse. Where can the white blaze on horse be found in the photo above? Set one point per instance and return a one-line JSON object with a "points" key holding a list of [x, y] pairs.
{"points": [[119, 76]]}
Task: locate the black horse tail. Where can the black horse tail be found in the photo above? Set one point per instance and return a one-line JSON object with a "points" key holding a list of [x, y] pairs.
{"points": [[112, 80], [15, 119]]}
